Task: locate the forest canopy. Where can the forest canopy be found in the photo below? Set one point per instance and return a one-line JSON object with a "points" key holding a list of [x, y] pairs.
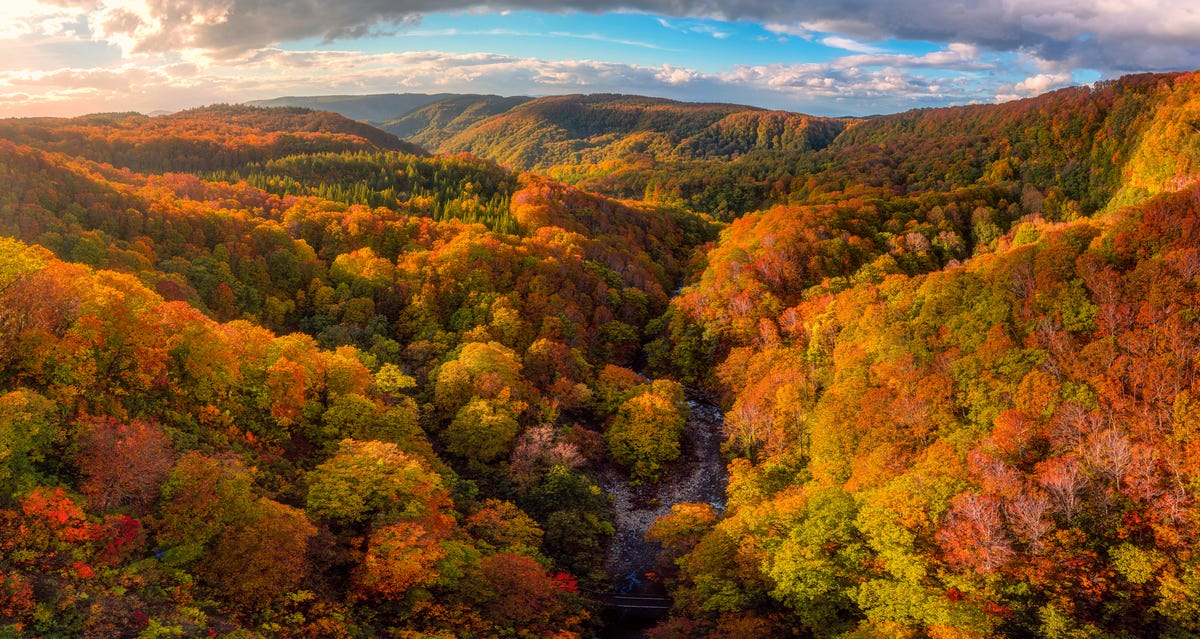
{"points": [[276, 373]]}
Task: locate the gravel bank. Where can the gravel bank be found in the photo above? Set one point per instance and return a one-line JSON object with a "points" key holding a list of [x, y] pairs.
{"points": [[698, 475]]}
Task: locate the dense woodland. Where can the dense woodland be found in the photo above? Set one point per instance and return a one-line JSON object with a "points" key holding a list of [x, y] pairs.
{"points": [[276, 373]]}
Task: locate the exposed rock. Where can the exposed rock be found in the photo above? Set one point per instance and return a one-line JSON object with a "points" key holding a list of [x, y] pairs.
{"points": [[699, 475]]}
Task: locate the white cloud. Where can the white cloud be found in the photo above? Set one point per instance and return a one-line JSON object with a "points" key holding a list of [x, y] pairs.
{"points": [[794, 30], [832, 88], [197, 51], [603, 38], [1113, 35], [710, 30], [1042, 83], [29, 17], [1109, 35], [956, 56], [1033, 85], [689, 26], [849, 44]]}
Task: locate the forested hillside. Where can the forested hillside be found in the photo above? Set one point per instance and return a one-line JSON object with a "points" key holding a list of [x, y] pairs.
{"points": [[1002, 448], [416, 335], [579, 135], [216, 137], [585, 130], [959, 374], [276, 373], [368, 108], [435, 123]]}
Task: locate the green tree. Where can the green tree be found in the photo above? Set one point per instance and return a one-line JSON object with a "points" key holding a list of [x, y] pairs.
{"points": [[366, 480], [480, 370], [644, 436], [201, 498], [28, 425], [482, 431]]}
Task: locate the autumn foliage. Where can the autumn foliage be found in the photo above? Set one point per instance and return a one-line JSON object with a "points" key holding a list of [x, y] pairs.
{"points": [[272, 373]]}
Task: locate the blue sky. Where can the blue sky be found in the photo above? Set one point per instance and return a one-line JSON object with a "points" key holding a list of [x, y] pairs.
{"points": [[66, 57], [701, 44]]}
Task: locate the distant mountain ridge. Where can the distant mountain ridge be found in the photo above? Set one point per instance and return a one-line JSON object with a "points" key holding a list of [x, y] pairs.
{"points": [[433, 124], [375, 108], [589, 129], [537, 133], [219, 136]]}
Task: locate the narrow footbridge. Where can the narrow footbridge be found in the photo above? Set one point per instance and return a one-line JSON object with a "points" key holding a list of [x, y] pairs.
{"points": [[638, 595], [647, 603]]}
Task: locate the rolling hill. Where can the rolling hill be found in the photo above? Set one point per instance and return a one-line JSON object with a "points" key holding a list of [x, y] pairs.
{"points": [[431, 125], [538, 133], [207, 138], [375, 108], [590, 129]]}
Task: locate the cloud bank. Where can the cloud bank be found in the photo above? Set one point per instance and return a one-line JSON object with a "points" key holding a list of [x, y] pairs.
{"points": [[1110, 35], [833, 88], [64, 57]]}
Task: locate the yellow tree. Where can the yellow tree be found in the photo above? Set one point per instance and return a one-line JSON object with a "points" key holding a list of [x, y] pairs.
{"points": [[644, 436]]}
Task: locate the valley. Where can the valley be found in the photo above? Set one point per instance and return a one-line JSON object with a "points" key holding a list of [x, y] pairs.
{"points": [[268, 371], [698, 477]]}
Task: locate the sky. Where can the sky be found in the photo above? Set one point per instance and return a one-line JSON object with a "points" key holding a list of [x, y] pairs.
{"points": [[823, 57]]}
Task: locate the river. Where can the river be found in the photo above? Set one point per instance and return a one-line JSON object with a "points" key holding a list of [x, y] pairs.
{"points": [[699, 475]]}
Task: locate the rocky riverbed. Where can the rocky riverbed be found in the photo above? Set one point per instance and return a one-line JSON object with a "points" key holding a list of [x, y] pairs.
{"points": [[699, 475]]}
